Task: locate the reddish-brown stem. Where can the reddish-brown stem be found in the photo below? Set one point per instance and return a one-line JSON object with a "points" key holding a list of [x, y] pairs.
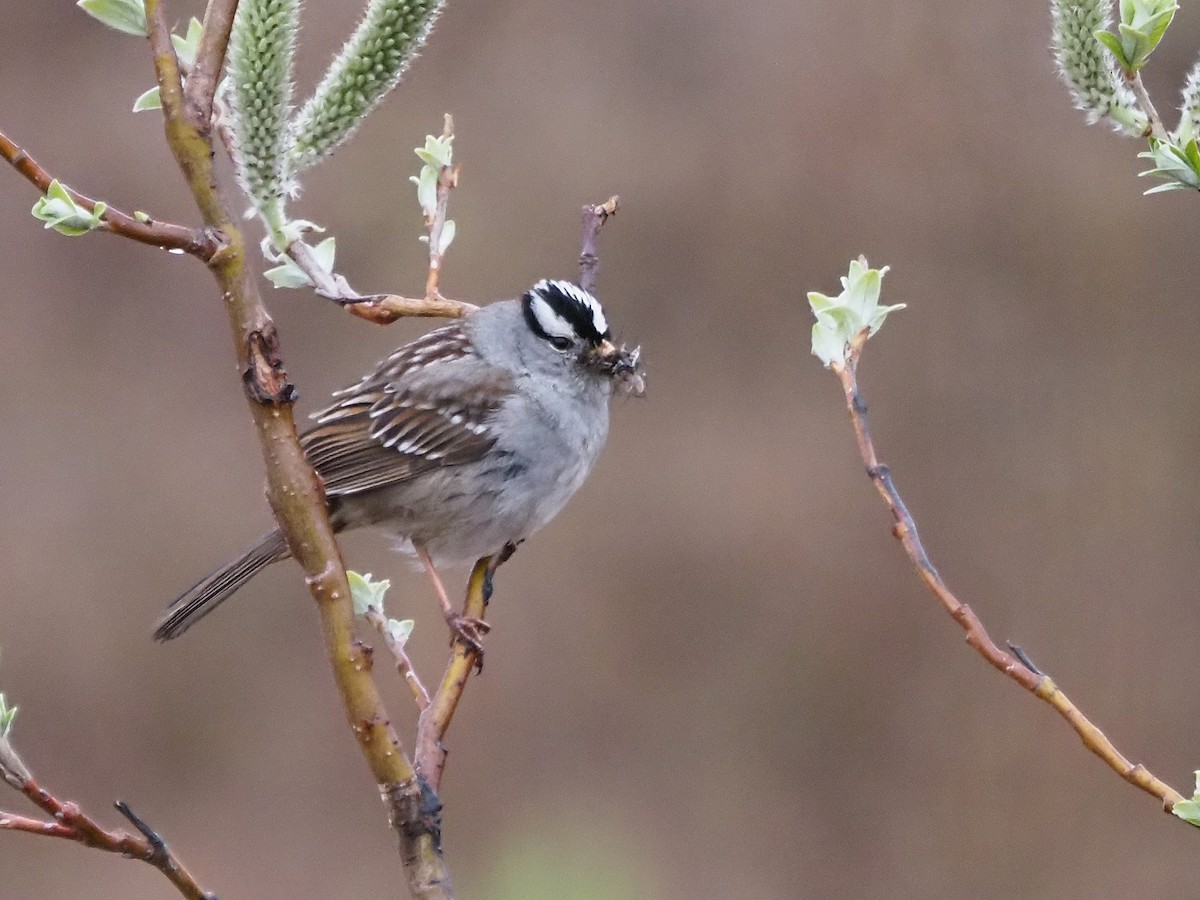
{"points": [[68, 821], [1035, 682], [199, 243], [594, 217], [13, 822], [380, 309]]}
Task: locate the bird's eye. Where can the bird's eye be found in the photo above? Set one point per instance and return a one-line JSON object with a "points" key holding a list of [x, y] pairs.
{"points": [[561, 343]]}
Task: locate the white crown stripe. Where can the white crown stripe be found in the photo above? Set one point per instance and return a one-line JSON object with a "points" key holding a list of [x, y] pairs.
{"points": [[580, 296], [552, 323]]}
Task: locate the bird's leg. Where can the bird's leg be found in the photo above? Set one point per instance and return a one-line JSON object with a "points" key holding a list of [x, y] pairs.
{"points": [[468, 629]]}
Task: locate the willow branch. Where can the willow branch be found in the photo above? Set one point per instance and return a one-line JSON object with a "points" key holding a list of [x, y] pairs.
{"points": [[201, 83], [1038, 684], [70, 822], [198, 243], [594, 217], [430, 758], [1157, 129], [381, 309], [293, 489]]}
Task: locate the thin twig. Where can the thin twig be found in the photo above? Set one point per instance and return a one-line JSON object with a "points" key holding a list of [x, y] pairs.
{"points": [[68, 821], [384, 309], [1009, 663], [199, 243], [447, 181], [381, 309], [403, 664], [1157, 129], [201, 83], [594, 217], [294, 491]]}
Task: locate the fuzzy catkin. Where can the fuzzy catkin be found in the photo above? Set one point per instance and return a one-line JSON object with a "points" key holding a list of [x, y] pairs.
{"points": [[368, 66], [260, 75], [1189, 107], [1087, 68]]}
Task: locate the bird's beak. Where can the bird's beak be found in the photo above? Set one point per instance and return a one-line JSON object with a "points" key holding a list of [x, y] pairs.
{"points": [[606, 350], [622, 365]]}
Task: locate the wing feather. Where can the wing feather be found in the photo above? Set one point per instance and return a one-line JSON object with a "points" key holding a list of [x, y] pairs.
{"points": [[398, 422]]}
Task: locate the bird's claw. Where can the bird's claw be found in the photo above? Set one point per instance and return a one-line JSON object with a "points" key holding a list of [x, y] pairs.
{"points": [[470, 630]]}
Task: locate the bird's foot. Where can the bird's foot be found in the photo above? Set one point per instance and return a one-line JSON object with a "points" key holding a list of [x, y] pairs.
{"points": [[470, 631]]}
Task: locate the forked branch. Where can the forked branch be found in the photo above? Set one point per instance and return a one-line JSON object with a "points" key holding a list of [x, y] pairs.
{"points": [[70, 822]]}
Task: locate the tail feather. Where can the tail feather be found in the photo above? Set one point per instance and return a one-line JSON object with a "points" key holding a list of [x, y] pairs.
{"points": [[205, 596]]}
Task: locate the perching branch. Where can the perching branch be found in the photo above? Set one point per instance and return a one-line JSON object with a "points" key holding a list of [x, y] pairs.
{"points": [[70, 822], [198, 243], [905, 530], [293, 490], [430, 758]]}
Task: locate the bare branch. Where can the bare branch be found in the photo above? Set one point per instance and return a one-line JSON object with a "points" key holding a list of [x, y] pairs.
{"points": [[68, 821], [594, 217], [430, 759], [198, 243], [1011, 664]]}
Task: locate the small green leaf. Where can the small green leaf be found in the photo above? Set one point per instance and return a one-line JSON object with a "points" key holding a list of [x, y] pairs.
{"points": [[438, 150], [7, 714], [60, 212], [1142, 26], [426, 184], [128, 16], [1178, 165], [841, 319], [399, 630], [186, 46], [148, 100], [447, 237], [1113, 43], [287, 275], [325, 253], [367, 594], [1189, 810]]}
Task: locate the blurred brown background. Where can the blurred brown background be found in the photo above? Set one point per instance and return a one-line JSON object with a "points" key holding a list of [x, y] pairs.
{"points": [[715, 675]]}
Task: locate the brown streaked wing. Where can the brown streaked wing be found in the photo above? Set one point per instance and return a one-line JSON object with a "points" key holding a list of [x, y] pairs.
{"points": [[392, 426]]}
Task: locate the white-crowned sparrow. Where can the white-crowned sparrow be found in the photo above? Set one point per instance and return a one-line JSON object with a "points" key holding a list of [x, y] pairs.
{"points": [[466, 440]]}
